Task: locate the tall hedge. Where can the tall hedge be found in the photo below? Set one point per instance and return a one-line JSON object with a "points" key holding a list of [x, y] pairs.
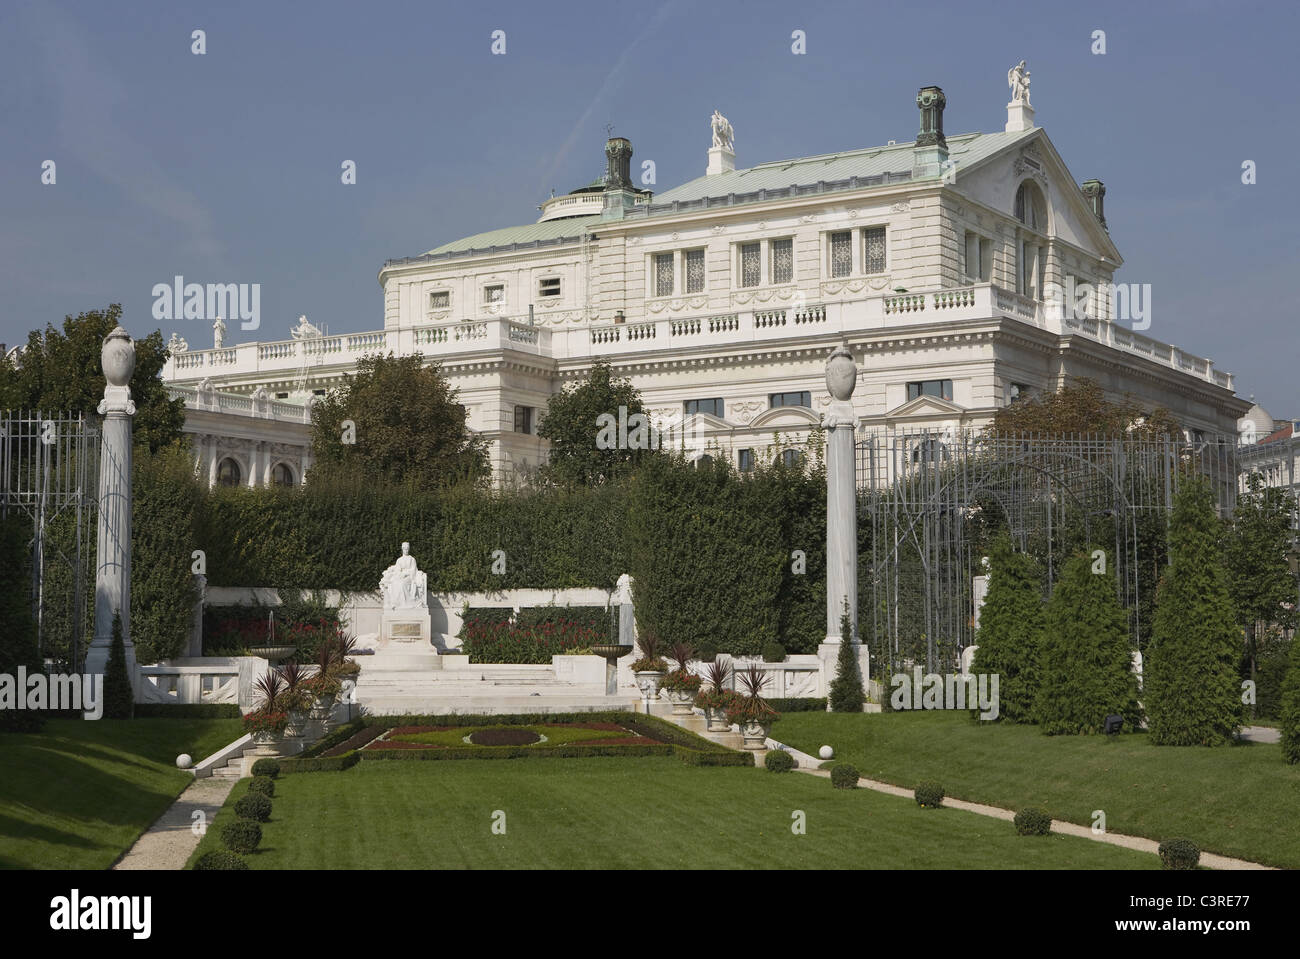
{"points": [[1191, 688], [1291, 707], [164, 590], [1011, 630], [1086, 670], [17, 628]]}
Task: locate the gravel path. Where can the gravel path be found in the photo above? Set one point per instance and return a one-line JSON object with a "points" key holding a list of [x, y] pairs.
{"points": [[168, 843]]}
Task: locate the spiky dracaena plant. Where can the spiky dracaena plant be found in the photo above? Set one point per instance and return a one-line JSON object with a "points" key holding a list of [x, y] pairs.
{"points": [[650, 661], [681, 654], [296, 693], [269, 688], [751, 707]]}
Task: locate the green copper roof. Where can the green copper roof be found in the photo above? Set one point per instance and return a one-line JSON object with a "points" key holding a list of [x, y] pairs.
{"points": [[896, 159], [568, 228]]}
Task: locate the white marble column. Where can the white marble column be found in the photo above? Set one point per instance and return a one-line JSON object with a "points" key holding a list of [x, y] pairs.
{"points": [[113, 554]]}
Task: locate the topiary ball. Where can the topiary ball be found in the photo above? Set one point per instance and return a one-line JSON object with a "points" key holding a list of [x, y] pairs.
{"points": [[844, 776], [779, 761], [1179, 854], [262, 786], [242, 835], [929, 795], [1033, 822], [266, 767], [254, 806], [184, 761], [773, 653], [220, 859], [826, 752]]}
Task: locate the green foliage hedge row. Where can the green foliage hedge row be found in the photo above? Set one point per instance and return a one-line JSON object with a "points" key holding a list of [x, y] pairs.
{"points": [[805, 704], [187, 711]]}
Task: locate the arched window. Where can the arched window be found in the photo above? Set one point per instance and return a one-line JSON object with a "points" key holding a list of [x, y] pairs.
{"points": [[282, 475], [1030, 208], [228, 473], [1031, 252]]}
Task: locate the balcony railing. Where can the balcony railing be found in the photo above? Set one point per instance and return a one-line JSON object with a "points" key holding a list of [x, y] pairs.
{"points": [[252, 361]]}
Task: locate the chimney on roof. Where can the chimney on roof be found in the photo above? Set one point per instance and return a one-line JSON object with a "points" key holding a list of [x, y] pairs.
{"points": [[1095, 193], [931, 152], [620, 196]]}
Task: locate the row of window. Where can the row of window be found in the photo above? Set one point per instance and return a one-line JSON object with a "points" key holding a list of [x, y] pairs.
{"points": [[230, 474], [548, 288]]}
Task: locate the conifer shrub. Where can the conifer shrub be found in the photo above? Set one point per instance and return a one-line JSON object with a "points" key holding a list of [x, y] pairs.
{"points": [[253, 806], [119, 700], [1191, 688], [1179, 854], [928, 795], [1032, 822], [1086, 666], [778, 761], [241, 836], [1011, 630], [266, 767], [847, 694], [844, 776], [220, 859]]}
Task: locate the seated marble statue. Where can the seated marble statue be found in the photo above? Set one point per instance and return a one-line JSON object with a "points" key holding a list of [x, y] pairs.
{"points": [[404, 585]]}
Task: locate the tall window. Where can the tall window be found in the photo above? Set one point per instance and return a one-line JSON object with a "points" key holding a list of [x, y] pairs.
{"points": [[873, 250], [712, 407], [940, 388], [694, 271], [228, 473], [791, 457], [842, 253], [978, 265], [523, 419], [745, 460], [783, 260], [790, 399], [751, 264], [663, 274]]}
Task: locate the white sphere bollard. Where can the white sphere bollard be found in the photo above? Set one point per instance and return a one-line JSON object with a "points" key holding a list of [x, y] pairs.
{"points": [[826, 752], [184, 761]]}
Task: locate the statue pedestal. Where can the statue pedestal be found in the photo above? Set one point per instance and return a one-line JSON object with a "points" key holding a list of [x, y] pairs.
{"points": [[413, 625], [721, 160], [1020, 116]]}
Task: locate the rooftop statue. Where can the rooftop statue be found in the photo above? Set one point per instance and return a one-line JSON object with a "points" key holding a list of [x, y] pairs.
{"points": [[1018, 81], [218, 333], [305, 329], [723, 135]]}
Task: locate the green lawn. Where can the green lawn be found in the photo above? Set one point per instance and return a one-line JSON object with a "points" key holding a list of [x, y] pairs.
{"points": [[627, 813], [79, 793], [1236, 800]]}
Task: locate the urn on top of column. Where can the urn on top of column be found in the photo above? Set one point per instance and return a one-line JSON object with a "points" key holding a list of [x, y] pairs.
{"points": [[117, 357], [841, 374]]}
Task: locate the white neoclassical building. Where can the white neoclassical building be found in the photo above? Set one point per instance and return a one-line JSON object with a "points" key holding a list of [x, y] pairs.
{"points": [[936, 260]]}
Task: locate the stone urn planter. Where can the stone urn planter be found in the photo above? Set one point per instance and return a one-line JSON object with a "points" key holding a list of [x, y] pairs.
{"points": [[683, 701], [322, 709], [649, 681], [755, 734], [297, 727], [717, 720]]}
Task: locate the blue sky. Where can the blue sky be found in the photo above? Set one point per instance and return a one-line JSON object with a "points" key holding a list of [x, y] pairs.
{"points": [[226, 167]]}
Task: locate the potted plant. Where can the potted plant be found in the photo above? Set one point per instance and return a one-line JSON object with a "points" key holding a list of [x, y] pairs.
{"points": [[346, 669], [324, 685], [681, 683], [268, 720], [296, 699], [715, 700], [650, 668], [751, 711]]}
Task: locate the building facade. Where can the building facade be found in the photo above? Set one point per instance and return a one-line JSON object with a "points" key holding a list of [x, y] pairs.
{"points": [[940, 262]]}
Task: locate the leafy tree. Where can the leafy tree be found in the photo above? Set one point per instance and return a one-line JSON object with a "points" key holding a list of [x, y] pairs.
{"points": [[119, 701], [1255, 548], [406, 424], [1086, 670], [1081, 406], [164, 590], [571, 427], [847, 695], [1011, 630], [59, 371], [1192, 692], [17, 629], [1291, 708]]}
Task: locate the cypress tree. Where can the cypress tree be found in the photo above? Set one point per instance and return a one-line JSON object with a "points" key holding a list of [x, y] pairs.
{"points": [[1192, 692], [1086, 670], [1011, 630], [1291, 707], [119, 701], [847, 695]]}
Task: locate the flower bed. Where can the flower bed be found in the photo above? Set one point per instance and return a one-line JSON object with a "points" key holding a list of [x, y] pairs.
{"points": [[505, 642]]}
